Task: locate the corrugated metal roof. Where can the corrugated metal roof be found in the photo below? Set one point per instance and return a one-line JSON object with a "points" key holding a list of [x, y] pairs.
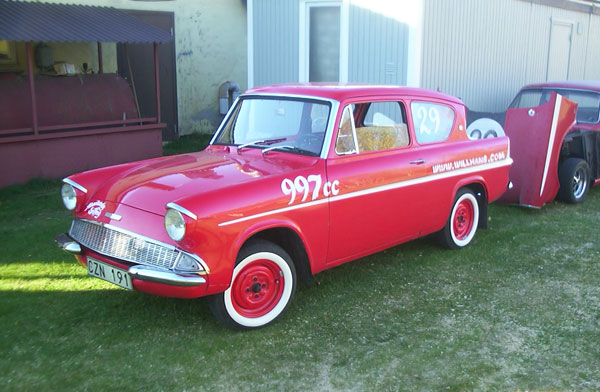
{"points": [[25, 21]]}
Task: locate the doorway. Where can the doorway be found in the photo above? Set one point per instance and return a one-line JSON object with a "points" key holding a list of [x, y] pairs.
{"points": [[559, 50], [141, 63], [323, 41]]}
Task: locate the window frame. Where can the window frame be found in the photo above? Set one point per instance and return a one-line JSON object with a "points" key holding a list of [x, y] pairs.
{"points": [[367, 101], [232, 115], [356, 151]]}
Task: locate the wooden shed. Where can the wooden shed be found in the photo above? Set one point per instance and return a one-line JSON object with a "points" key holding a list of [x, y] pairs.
{"points": [[52, 126]]}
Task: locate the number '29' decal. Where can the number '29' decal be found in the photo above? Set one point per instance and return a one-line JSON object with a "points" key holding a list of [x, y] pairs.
{"points": [[301, 186]]}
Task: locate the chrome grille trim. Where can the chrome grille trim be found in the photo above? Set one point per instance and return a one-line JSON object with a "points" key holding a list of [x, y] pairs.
{"points": [[122, 244]]}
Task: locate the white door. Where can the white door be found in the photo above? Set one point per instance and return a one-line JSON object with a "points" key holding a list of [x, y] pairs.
{"points": [[323, 41], [559, 51]]}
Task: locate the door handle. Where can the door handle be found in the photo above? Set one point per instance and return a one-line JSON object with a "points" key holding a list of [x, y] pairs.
{"points": [[419, 161]]}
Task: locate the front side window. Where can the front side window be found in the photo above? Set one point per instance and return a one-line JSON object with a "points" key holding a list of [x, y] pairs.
{"points": [[530, 98], [432, 122], [382, 127], [372, 126], [292, 125]]}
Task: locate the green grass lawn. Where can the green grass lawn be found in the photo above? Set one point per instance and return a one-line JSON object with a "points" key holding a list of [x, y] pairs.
{"points": [[519, 309]]}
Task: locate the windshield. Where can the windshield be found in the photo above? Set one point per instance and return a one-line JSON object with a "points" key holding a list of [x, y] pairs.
{"points": [[588, 103], [292, 125]]}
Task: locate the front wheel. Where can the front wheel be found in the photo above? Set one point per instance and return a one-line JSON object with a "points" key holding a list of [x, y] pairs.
{"points": [[462, 223], [262, 286], [574, 179]]}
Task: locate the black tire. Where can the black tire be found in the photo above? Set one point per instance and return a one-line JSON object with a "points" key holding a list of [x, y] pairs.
{"points": [[462, 222], [574, 178], [262, 287]]}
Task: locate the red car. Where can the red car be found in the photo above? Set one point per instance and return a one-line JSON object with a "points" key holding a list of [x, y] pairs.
{"points": [[296, 180], [565, 148]]}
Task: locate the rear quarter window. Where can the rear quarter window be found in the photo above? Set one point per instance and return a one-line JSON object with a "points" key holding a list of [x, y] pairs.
{"points": [[432, 121]]}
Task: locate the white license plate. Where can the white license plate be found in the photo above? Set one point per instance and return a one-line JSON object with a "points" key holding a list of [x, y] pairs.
{"points": [[109, 273]]}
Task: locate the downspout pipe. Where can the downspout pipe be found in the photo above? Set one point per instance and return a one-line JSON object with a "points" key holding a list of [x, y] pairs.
{"points": [[228, 92]]}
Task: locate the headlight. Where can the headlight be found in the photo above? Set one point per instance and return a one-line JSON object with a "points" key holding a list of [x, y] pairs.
{"points": [[69, 196], [175, 224]]}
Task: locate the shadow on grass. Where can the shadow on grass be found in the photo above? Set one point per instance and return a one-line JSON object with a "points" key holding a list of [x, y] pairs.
{"points": [[90, 307]]}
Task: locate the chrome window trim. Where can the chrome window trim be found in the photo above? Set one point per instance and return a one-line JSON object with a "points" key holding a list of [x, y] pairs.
{"points": [[331, 120], [335, 106], [144, 238], [74, 185], [229, 114], [353, 128], [181, 209], [351, 117]]}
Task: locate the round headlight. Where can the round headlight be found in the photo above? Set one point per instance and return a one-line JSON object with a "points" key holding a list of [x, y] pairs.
{"points": [[175, 224], [69, 196]]}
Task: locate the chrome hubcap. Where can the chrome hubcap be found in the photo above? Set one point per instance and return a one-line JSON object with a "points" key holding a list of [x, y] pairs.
{"points": [[579, 183]]}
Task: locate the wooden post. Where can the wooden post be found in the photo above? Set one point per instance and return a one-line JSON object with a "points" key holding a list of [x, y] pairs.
{"points": [[132, 80], [100, 65], [32, 88], [157, 82]]}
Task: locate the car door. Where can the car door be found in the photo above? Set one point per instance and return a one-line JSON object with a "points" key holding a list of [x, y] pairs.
{"points": [[375, 167]]}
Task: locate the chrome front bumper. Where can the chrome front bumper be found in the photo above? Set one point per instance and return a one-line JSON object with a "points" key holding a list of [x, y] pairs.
{"points": [[140, 272], [159, 275]]}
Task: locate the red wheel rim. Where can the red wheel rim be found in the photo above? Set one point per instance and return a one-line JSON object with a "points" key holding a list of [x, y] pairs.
{"points": [[257, 288], [463, 219]]}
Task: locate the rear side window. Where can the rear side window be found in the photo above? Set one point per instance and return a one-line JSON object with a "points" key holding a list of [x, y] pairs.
{"points": [[432, 122], [588, 105]]}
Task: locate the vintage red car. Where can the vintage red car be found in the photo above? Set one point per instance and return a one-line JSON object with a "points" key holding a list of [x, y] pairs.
{"points": [[571, 153], [554, 128], [297, 179]]}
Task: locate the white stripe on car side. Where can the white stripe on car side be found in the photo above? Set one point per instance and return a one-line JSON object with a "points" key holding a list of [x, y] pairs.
{"points": [[383, 188], [551, 141]]}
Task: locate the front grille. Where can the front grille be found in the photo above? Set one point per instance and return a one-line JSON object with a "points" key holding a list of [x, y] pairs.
{"points": [[120, 245]]}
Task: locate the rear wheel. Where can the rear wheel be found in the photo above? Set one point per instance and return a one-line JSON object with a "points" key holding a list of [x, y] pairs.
{"points": [[574, 178], [262, 286], [463, 221]]}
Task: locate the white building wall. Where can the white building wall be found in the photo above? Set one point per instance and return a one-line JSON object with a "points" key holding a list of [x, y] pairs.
{"points": [[483, 51], [275, 41], [592, 64]]}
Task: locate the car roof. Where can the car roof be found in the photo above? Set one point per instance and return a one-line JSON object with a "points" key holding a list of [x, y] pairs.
{"points": [[341, 91], [592, 85]]}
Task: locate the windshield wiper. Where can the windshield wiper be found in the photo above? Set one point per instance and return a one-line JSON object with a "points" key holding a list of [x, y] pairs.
{"points": [[257, 143], [290, 148]]}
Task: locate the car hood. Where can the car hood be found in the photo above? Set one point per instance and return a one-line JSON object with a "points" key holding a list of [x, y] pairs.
{"points": [[152, 184]]}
